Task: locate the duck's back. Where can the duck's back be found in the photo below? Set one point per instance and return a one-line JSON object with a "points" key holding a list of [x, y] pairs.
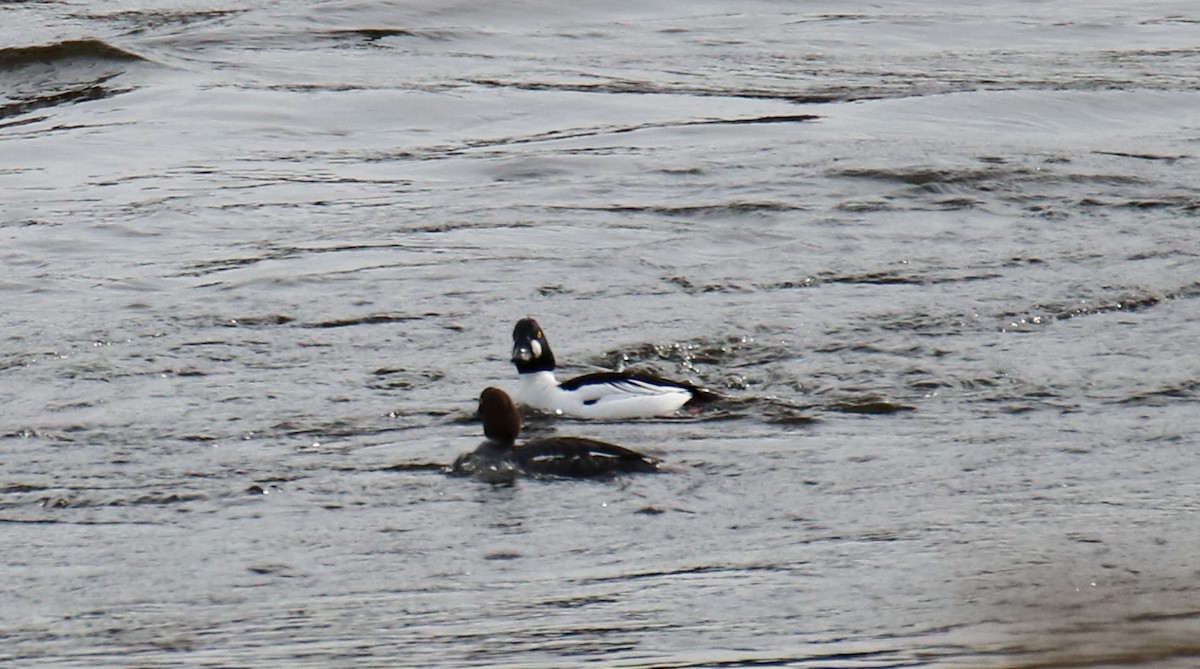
{"points": [[577, 457]]}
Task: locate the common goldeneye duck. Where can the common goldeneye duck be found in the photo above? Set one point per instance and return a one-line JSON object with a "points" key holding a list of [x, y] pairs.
{"points": [[611, 395], [499, 458]]}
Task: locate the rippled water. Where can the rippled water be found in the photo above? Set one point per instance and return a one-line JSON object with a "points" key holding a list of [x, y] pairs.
{"points": [[260, 260]]}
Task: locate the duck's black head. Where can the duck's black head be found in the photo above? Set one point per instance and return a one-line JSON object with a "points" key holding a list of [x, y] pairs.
{"points": [[531, 352], [501, 420]]}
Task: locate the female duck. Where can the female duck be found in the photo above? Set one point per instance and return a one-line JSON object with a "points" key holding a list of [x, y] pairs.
{"points": [[500, 458]]}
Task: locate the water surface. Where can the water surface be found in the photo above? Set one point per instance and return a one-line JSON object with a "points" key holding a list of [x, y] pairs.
{"points": [[259, 260]]}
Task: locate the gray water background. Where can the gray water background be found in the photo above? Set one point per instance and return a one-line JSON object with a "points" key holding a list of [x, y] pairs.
{"points": [[259, 259]]}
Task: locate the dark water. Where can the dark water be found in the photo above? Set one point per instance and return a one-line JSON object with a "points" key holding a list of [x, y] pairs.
{"points": [[258, 261]]}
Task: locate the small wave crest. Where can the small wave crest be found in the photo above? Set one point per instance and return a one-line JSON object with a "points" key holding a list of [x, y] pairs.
{"points": [[87, 49], [59, 74]]}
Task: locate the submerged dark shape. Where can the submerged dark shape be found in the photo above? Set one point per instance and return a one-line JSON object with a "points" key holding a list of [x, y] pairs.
{"points": [[604, 395], [500, 459]]}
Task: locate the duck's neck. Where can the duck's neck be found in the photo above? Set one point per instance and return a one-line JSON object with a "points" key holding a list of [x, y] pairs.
{"points": [[538, 380]]}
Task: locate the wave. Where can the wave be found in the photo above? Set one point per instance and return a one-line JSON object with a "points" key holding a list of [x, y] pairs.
{"points": [[86, 49], [59, 74]]}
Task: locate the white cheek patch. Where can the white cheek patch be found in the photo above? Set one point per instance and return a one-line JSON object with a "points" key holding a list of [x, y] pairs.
{"points": [[535, 348]]}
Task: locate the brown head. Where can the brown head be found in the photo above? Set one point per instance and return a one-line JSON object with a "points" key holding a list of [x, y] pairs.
{"points": [[501, 420]]}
